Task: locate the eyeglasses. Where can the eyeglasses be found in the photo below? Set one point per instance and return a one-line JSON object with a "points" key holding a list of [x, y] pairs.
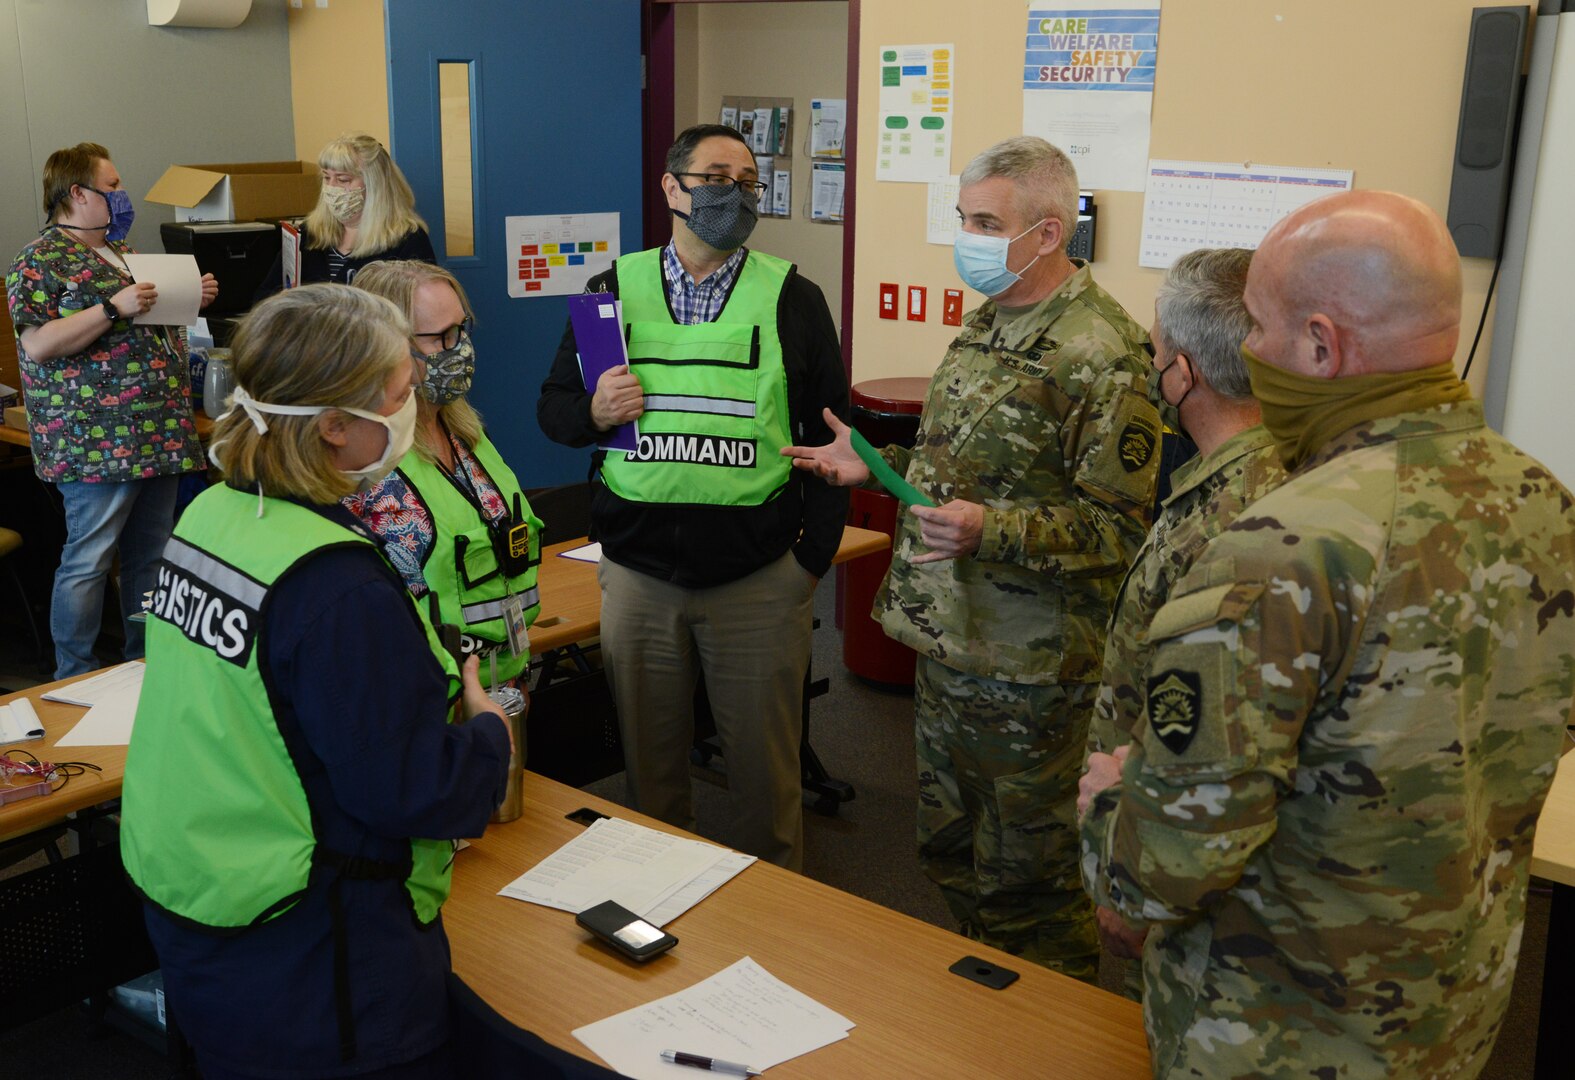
{"points": [[450, 338], [749, 187]]}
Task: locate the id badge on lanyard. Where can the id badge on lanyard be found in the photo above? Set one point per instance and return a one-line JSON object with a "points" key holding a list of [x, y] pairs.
{"points": [[514, 623]]}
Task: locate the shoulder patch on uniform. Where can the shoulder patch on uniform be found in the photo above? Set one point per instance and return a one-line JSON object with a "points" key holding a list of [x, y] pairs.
{"points": [[1175, 702], [1138, 442]]}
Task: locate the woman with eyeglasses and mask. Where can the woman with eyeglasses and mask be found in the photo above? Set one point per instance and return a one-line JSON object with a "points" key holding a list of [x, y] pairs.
{"points": [[452, 518], [365, 212], [293, 786]]}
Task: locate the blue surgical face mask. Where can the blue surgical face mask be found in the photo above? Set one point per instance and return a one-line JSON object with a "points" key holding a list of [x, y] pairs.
{"points": [[121, 214], [981, 261]]}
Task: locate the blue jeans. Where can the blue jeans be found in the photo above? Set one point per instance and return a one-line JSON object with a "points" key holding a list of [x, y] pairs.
{"points": [[136, 516]]}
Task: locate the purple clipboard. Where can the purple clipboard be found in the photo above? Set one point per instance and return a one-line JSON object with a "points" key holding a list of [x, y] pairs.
{"points": [[597, 319]]}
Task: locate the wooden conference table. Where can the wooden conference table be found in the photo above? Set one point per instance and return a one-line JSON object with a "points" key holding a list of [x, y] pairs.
{"points": [[17, 437], [883, 970], [571, 612], [571, 600]]}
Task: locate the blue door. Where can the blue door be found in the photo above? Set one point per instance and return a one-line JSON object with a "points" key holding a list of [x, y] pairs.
{"points": [[552, 93]]}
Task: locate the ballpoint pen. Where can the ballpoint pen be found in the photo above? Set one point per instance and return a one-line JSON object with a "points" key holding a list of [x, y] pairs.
{"points": [[700, 1061]]}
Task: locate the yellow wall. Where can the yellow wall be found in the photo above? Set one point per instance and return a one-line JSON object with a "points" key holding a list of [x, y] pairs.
{"points": [[338, 73], [797, 50], [1373, 87]]}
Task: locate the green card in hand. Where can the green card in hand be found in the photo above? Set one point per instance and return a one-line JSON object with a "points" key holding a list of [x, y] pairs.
{"points": [[887, 476]]}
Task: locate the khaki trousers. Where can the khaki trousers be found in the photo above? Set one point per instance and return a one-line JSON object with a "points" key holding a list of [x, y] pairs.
{"points": [[751, 638]]}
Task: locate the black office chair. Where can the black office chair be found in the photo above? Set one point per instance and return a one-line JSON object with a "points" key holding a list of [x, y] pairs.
{"points": [[565, 512], [486, 1045]]}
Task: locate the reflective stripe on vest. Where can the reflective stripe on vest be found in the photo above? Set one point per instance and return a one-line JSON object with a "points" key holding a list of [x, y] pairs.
{"points": [[493, 609], [465, 576], [693, 403], [242, 852], [716, 408]]}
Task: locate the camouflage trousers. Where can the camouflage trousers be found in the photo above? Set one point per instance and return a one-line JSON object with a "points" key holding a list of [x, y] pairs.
{"points": [[998, 766]]}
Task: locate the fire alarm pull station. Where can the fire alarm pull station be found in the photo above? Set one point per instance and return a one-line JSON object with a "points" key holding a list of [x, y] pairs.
{"points": [[951, 308]]}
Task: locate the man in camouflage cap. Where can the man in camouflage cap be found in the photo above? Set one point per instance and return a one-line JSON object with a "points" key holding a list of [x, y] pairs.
{"points": [[1039, 443], [1355, 697], [1200, 377]]}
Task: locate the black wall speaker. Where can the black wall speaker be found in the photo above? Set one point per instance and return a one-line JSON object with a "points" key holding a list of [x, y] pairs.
{"points": [[1485, 141]]}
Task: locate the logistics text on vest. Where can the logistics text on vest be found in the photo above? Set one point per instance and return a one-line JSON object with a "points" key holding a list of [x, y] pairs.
{"points": [[696, 450], [206, 614]]}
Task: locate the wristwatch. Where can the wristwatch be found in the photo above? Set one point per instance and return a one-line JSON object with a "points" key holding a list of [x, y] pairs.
{"points": [[109, 310]]}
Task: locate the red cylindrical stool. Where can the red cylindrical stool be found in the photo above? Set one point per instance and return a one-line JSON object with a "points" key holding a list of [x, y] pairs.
{"points": [[884, 411]]}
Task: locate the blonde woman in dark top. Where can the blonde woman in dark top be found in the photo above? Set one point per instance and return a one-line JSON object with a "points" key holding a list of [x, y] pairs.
{"points": [[365, 213]]}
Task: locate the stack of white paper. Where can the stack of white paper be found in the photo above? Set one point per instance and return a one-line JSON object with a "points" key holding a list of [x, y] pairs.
{"points": [[111, 698], [654, 874], [743, 1014]]}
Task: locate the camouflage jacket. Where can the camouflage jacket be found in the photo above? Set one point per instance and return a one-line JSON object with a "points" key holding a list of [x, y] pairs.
{"points": [[1207, 495], [1045, 422], [1354, 710]]}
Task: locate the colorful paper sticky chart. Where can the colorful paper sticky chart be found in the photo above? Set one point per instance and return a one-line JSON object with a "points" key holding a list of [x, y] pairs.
{"points": [[559, 254]]}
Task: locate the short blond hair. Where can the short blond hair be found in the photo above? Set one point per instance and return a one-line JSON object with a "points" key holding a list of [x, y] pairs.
{"points": [[398, 280], [318, 344], [389, 213]]}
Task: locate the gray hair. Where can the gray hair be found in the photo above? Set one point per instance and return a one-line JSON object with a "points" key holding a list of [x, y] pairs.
{"points": [[1045, 177], [1199, 311]]}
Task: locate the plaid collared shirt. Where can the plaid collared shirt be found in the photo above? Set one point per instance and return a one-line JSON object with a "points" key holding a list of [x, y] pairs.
{"points": [[698, 301]]}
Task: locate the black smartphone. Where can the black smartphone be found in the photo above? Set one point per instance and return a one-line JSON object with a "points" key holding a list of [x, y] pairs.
{"points": [[625, 931], [584, 815], [984, 972]]}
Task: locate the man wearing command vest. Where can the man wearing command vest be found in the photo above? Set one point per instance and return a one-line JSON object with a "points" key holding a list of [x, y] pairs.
{"points": [[711, 543]]}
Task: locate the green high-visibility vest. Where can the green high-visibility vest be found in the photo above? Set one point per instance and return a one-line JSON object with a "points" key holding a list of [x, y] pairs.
{"points": [[716, 404], [215, 825], [462, 564]]}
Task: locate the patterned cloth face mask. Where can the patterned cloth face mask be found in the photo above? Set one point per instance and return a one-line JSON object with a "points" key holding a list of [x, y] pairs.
{"points": [[344, 203], [449, 372]]}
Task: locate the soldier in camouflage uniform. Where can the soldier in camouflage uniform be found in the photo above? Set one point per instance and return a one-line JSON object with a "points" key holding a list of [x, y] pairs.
{"points": [[1040, 444], [1199, 325], [1356, 694]]}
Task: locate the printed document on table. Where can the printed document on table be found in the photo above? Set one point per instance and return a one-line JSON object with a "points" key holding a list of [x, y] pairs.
{"points": [[591, 553], [742, 1014], [107, 685], [112, 700], [618, 860]]}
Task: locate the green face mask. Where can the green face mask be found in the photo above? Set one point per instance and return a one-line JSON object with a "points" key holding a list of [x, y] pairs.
{"points": [[1303, 413]]}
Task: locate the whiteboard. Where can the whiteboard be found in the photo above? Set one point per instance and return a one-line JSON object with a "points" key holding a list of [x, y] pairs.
{"points": [[1536, 386]]}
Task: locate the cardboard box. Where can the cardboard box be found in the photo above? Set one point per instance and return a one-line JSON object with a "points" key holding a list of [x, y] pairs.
{"points": [[244, 192], [16, 417]]}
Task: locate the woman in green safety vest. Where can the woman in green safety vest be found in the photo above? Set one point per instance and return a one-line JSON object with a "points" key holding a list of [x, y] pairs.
{"points": [[452, 518], [293, 789]]}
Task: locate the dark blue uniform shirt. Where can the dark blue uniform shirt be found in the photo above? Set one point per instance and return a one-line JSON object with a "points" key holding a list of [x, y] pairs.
{"points": [[360, 701]]}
